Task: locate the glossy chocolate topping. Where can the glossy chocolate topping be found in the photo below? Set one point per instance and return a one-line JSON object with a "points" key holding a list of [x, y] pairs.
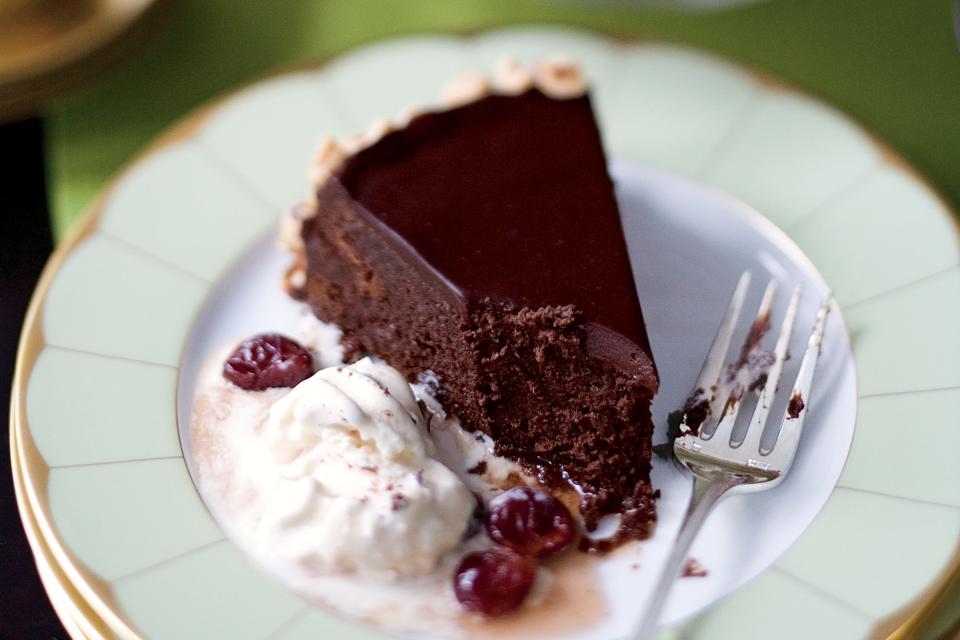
{"points": [[508, 198]]}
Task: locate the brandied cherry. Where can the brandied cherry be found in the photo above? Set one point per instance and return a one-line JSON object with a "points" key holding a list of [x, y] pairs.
{"points": [[530, 521], [493, 583], [268, 360]]}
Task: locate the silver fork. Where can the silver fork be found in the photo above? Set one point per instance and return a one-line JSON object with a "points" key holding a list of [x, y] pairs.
{"points": [[719, 463]]}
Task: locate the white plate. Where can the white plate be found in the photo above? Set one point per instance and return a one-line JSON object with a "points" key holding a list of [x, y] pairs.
{"points": [[688, 245]]}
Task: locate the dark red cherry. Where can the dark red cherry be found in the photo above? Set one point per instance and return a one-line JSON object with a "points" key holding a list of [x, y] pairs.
{"points": [[493, 583], [268, 360], [530, 521]]}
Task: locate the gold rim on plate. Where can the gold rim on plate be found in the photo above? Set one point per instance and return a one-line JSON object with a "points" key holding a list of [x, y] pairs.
{"points": [[78, 618]]}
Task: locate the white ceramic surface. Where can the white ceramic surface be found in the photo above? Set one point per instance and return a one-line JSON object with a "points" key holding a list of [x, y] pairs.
{"points": [[688, 245]]}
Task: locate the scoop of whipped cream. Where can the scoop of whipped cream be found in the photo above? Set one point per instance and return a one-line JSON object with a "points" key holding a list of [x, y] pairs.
{"points": [[362, 492]]}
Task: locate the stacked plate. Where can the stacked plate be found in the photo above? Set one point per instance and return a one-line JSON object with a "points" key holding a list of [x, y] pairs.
{"points": [[864, 542]]}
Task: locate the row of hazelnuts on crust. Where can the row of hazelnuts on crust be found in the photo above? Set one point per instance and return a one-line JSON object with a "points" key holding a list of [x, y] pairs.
{"points": [[557, 77]]}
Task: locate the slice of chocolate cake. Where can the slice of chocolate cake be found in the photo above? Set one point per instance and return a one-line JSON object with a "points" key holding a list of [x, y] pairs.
{"points": [[483, 244]]}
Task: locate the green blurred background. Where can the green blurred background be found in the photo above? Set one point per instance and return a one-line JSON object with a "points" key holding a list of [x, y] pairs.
{"points": [[893, 65]]}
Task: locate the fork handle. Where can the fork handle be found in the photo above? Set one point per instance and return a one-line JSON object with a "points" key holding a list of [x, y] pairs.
{"points": [[706, 494]]}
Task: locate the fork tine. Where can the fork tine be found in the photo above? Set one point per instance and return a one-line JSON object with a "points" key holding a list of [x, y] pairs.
{"points": [[769, 390], [796, 411], [761, 323], [721, 435], [705, 389], [713, 365], [732, 403]]}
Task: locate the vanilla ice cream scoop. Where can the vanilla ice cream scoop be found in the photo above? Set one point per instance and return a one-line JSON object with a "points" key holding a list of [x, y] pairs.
{"points": [[361, 491]]}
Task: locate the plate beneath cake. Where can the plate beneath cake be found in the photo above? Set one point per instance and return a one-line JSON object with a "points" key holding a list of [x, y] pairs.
{"points": [[105, 360], [688, 244]]}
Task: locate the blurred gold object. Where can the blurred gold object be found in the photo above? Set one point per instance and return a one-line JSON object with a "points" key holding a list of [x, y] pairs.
{"points": [[10, 7], [48, 46]]}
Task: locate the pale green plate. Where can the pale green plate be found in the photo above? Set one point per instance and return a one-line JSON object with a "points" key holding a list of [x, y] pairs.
{"points": [[99, 363]]}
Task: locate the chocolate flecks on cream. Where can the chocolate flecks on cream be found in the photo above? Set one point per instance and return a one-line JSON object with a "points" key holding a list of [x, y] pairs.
{"points": [[478, 469]]}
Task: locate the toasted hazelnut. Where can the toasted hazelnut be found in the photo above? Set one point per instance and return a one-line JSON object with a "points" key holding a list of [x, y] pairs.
{"points": [[298, 278], [294, 281], [405, 116], [359, 141], [288, 235], [327, 157], [304, 210], [560, 78], [352, 144], [510, 77], [465, 89], [377, 129]]}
